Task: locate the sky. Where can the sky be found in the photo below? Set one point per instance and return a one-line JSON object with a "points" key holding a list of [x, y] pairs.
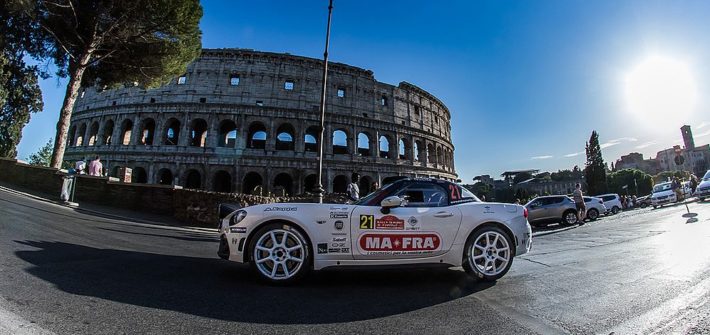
{"points": [[526, 81]]}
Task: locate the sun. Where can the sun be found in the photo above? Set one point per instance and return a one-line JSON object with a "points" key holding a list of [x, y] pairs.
{"points": [[661, 91]]}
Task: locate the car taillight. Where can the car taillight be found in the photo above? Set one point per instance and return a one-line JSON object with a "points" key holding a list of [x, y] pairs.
{"points": [[525, 212]]}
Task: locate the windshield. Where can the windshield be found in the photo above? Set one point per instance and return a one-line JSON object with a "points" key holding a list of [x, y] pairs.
{"points": [[661, 187], [366, 199], [707, 175]]}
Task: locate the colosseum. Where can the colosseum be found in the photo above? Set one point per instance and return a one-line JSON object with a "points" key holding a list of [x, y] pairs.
{"points": [[246, 121]]}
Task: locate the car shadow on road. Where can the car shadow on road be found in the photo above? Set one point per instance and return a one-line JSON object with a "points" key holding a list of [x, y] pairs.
{"points": [[214, 288]]}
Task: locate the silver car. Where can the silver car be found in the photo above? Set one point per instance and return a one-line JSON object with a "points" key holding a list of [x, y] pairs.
{"points": [[595, 206], [551, 209]]}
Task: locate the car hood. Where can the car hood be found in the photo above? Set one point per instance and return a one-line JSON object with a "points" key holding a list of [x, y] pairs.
{"points": [[704, 183], [661, 194]]}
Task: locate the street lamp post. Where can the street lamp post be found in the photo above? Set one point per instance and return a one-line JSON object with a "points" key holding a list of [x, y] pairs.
{"points": [[319, 187]]}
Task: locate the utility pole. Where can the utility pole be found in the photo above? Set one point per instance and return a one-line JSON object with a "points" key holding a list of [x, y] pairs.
{"points": [[319, 187]]}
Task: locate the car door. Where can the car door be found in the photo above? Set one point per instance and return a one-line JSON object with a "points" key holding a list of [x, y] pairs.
{"points": [[536, 210], [424, 226]]}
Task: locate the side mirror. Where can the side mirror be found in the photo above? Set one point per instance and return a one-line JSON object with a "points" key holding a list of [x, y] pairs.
{"points": [[390, 202]]}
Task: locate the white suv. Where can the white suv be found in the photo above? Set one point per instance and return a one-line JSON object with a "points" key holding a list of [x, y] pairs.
{"points": [[612, 202]]}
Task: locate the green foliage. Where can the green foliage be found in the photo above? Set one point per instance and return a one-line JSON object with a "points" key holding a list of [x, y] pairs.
{"points": [[595, 169], [564, 175], [481, 189], [617, 180], [43, 156], [666, 175], [522, 176], [20, 95]]}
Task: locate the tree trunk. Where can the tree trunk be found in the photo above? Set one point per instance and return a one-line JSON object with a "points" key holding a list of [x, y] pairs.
{"points": [[60, 140]]}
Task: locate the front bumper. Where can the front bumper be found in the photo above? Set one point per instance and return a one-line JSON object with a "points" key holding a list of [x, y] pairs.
{"points": [[704, 192]]}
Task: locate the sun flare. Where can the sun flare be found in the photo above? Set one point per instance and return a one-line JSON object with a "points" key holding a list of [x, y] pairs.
{"points": [[661, 91]]}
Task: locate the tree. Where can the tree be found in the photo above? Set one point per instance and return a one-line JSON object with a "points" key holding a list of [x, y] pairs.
{"points": [[20, 95], [115, 42], [43, 156], [665, 176], [595, 169], [521, 177], [632, 179]]}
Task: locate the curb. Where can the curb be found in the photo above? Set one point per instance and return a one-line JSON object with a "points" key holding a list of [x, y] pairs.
{"points": [[548, 232], [76, 207]]}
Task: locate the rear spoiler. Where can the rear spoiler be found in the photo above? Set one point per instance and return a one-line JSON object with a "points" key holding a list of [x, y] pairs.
{"points": [[225, 209]]}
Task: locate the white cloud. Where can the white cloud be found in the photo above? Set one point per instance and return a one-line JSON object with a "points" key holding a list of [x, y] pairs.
{"points": [[574, 154], [541, 157], [608, 144], [625, 139], [645, 145], [703, 125], [706, 133]]}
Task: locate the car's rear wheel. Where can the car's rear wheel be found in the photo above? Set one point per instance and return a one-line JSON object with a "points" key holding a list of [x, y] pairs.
{"points": [[488, 253], [593, 214], [569, 217], [280, 254], [615, 210]]}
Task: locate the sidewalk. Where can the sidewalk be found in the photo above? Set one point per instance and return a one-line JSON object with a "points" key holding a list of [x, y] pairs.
{"points": [[102, 211]]}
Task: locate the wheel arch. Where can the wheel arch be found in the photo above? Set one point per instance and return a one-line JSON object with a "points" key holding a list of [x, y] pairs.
{"points": [[496, 224], [247, 243]]}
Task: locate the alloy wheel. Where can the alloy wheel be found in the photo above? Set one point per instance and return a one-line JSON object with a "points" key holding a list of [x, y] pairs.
{"points": [[490, 253], [279, 254]]}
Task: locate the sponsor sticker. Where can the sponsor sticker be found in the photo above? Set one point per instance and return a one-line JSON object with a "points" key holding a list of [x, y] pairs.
{"points": [[322, 248], [238, 230], [339, 215], [389, 222], [339, 225], [338, 250], [339, 208], [367, 221], [412, 223], [487, 210], [280, 209], [394, 244], [340, 239]]}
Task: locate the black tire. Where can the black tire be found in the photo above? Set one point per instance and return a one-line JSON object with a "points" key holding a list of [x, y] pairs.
{"points": [[293, 235], [592, 214], [567, 217], [644, 205], [654, 206], [469, 253], [701, 199], [615, 210]]}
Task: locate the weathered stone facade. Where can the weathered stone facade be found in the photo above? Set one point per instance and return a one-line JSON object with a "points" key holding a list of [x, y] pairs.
{"points": [[247, 121]]}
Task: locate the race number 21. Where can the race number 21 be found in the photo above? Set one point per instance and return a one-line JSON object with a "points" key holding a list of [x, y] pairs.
{"points": [[367, 221]]}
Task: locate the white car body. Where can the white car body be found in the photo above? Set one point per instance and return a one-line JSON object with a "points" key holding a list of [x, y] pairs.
{"points": [[362, 235], [703, 189], [612, 202], [595, 203]]}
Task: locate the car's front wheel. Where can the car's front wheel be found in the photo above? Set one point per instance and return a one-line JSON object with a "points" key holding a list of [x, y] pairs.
{"points": [[280, 254], [569, 217], [615, 210], [593, 214], [488, 253]]}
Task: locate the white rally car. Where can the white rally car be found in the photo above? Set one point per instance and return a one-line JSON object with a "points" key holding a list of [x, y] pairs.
{"points": [[411, 221]]}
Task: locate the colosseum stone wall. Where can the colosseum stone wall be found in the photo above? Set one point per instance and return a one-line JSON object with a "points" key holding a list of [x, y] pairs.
{"points": [[246, 121]]}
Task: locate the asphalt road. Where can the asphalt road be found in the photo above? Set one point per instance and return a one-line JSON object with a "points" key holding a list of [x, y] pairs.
{"points": [[65, 272]]}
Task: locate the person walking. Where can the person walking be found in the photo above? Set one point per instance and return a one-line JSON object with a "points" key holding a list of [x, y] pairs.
{"points": [[693, 184], [95, 167], [353, 191], [578, 198], [80, 166]]}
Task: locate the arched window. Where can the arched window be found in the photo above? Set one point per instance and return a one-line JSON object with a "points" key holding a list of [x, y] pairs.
{"points": [[340, 142], [257, 136], [126, 130], [284, 137], [311, 139], [193, 179], [80, 135], [172, 132], [340, 184], [228, 134], [363, 144], [93, 133], [283, 185], [147, 132], [384, 147], [439, 156], [365, 185], [418, 151], [139, 176], [403, 148], [222, 182], [108, 132], [430, 154], [310, 183], [72, 136], [165, 177], [252, 184], [198, 133]]}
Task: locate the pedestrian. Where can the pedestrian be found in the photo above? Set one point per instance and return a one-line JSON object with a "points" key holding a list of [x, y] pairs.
{"points": [[578, 198], [375, 186], [676, 187], [517, 201], [353, 191], [79, 166], [95, 167], [633, 201], [693, 183]]}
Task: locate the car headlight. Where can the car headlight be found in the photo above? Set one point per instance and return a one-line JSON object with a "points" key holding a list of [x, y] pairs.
{"points": [[238, 217]]}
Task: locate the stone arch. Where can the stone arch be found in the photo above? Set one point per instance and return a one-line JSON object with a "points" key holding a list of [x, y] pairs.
{"points": [[80, 135], [363, 144], [311, 139], [172, 132], [126, 130], [310, 183], [165, 177], [227, 134], [418, 151], [283, 182], [340, 184], [340, 142], [222, 182], [385, 146], [72, 136], [365, 185], [139, 176], [198, 133], [403, 148], [430, 154], [108, 132], [285, 137], [252, 183], [147, 134], [93, 133], [439, 155], [193, 179], [114, 171], [257, 136]]}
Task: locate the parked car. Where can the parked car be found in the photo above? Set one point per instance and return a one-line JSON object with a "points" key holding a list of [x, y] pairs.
{"points": [[408, 222], [703, 190], [662, 194], [612, 202], [551, 209], [644, 201], [595, 206]]}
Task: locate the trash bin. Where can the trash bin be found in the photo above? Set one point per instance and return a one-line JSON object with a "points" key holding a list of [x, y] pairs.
{"points": [[67, 188]]}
